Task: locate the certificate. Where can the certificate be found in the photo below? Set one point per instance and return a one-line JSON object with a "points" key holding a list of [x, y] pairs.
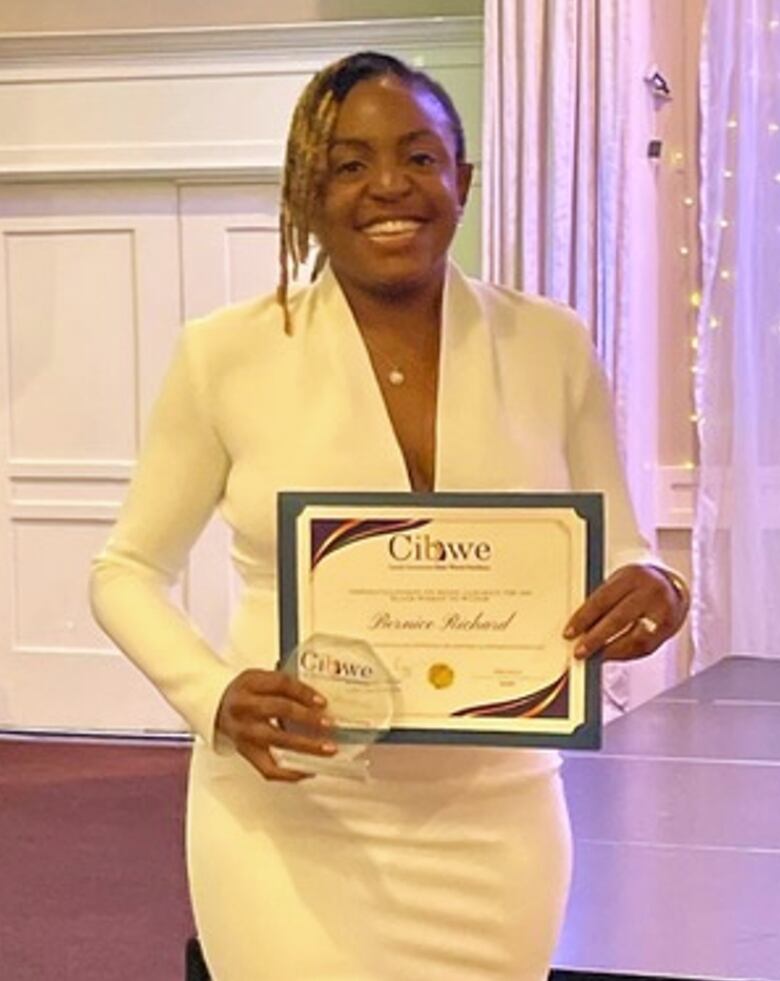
{"points": [[462, 597]]}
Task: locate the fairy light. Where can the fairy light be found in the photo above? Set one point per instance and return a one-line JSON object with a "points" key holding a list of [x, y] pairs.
{"points": [[714, 322], [732, 123], [774, 127], [678, 165], [724, 223], [777, 177], [725, 274], [728, 174]]}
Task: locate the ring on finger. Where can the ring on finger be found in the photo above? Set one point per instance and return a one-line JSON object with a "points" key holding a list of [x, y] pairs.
{"points": [[648, 624]]}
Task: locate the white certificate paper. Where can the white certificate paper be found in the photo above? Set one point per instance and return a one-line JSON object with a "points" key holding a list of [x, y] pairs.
{"points": [[463, 597]]}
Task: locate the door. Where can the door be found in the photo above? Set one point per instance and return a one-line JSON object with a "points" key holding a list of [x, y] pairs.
{"points": [[89, 308]]}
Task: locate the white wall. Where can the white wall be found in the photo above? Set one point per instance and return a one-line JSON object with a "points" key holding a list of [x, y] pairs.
{"points": [[97, 15], [138, 185]]}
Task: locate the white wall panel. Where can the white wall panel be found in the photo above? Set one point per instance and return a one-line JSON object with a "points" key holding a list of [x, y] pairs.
{"points": [[252, 260], [71, 343], [51, 559], [89, 311], [230, 244]]}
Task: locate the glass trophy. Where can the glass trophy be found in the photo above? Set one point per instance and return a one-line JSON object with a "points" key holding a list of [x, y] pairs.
{"points": [[360, 693]]}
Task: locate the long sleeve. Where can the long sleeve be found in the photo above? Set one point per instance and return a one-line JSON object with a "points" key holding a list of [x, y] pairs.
{"points": [[179, 479]]}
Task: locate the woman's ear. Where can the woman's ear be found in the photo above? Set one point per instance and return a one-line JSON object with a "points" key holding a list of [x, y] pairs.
{"points": [[465, 174]]}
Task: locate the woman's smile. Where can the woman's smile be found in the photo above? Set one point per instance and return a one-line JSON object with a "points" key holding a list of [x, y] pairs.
{"points": [[392, 228], [393, 233]]}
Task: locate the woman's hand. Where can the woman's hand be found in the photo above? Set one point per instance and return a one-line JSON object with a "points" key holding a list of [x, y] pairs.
{"points": [[255, 707], [629, 615]]}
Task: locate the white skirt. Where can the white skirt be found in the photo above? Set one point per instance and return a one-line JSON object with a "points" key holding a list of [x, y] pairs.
{"points": [[449, 864]]}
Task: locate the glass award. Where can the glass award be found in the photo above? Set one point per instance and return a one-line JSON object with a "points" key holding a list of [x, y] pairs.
{"points": [[360, 693]]}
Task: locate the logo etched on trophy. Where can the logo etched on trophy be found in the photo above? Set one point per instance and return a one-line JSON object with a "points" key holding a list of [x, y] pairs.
{"points": [[360, 692]]}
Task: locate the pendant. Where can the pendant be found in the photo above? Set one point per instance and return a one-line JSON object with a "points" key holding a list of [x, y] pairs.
{"points": [[396, 377]]}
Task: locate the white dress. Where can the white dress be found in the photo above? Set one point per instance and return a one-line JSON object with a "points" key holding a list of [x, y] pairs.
{"points": [[450, 863]]}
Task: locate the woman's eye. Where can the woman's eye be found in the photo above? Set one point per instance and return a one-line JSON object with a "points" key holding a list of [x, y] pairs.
{"points": [[423, 159], [347, 167]]}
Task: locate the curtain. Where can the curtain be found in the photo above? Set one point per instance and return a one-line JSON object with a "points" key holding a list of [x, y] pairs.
{"points": [[737, 532], [569, 205]]}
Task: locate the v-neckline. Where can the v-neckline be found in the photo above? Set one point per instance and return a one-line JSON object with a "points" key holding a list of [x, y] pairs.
{"points": [[425, 409], [362, 358]]}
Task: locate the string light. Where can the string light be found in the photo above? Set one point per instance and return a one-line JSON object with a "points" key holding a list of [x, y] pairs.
{"points": [[724, 223], [731, 124], [774, 127], [728, 174], [725, 274], [694, 297], [777, 177], [714, 322]]}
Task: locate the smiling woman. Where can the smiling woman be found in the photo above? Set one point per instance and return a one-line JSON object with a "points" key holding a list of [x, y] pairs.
{"points": [[391, 372]]}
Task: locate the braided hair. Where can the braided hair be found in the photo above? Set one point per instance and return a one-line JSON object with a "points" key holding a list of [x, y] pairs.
{"points": [[305, 166]]}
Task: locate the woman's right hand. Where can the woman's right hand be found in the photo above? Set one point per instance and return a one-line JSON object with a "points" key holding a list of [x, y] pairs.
{"points": [[255, 708]]}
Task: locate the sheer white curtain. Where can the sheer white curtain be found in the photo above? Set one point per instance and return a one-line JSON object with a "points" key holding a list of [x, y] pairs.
{"points": [[569, 204], [737, 534]]}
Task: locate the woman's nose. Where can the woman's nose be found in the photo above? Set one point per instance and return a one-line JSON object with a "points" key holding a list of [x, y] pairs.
{"points": [[389, 180]]}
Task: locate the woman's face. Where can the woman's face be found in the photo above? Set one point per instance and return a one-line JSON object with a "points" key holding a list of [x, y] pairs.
{"points": [[393, 191]]}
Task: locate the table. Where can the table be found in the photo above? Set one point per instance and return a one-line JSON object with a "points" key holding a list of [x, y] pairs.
{"points": [[677, 835]]}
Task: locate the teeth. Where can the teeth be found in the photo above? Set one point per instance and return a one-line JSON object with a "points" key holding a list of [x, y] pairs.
{"points": [[398, 226]]}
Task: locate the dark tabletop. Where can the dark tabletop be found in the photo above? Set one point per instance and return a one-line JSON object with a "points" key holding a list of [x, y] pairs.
{"points": [[677, 834]]}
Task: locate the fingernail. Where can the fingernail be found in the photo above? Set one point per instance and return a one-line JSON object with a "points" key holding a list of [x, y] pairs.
{"points": [[328, 747], [580, 650], [326, 722], [569, 632], [319, 700]]}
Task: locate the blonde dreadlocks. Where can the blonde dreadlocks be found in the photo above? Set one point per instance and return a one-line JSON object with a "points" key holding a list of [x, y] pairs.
{"points": [[306, 159]]}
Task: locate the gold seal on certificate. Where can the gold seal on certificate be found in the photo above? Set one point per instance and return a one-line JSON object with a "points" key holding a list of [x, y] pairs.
{"points": [[359, 691], [441, 675], [462, 597]]}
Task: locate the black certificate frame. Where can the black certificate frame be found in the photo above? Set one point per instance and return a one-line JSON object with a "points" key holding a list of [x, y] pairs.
{"points": [[587, 505]]}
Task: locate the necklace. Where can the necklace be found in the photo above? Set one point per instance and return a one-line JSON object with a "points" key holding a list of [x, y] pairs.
{"points": [[395, 375]]}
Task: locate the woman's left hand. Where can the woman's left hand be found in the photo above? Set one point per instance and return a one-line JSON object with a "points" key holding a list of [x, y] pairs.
{"points": [[629, 615]]}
